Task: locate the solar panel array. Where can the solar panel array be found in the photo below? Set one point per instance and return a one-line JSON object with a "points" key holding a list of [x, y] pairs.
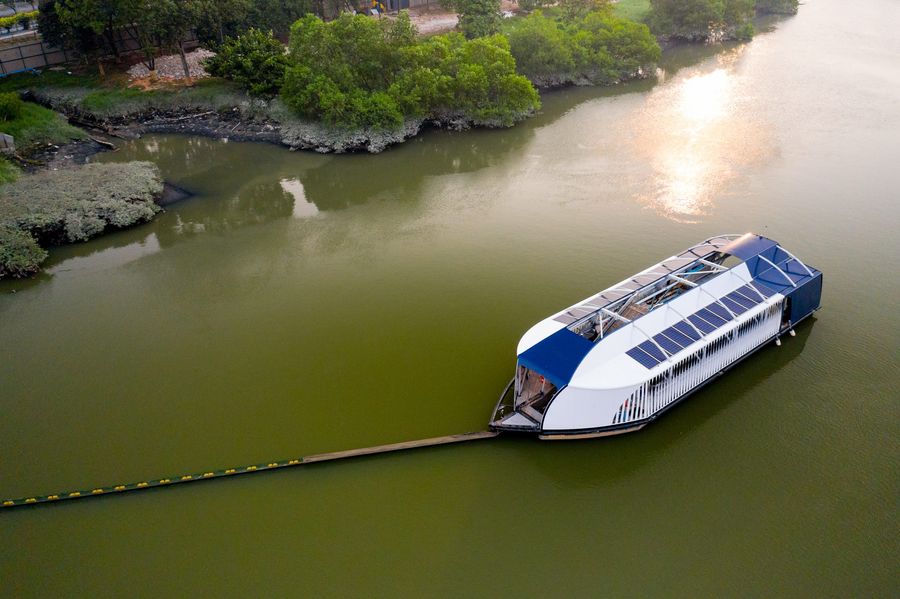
{"points": [[706, 320]]}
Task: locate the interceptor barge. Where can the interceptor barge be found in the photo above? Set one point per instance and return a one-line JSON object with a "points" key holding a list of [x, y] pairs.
{"points": [[619, 359]]}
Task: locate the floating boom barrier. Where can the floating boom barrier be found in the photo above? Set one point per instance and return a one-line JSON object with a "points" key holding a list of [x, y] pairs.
{"points": [[188, 478]]}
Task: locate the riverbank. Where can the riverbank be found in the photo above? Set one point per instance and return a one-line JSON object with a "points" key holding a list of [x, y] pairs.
{"points": [[71, 205], [215, 109], [246, 120]]}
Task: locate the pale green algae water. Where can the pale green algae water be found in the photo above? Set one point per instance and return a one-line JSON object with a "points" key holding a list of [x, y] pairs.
{"points": [[304, 303]]}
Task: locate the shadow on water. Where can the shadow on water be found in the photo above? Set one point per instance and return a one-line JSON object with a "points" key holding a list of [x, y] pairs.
{"points": [[619, 457]]}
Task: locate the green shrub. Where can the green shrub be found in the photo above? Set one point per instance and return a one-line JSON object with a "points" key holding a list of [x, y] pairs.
{"points": [[696, 19], [478, 18], [781, 7], [11, 106], [598, 49], [744, 32], [358, 72], [20, 254], [23, 17], [71, 205], [530, 5], [256, 61], [542, 47], [578, 9], [8, 171]]}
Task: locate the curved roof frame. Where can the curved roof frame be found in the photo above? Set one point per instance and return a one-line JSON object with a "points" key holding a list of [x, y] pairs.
{"points": [[578, 313], [776, 267], [797, 260]]}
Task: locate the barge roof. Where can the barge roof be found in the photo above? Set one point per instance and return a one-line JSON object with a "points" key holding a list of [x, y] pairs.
{"points": [[707, 297]]}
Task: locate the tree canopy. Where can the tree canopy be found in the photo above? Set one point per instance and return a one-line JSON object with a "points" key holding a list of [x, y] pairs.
{"points": [[784, 7], [597, 48], [163, 23], [254, 60], [359, 72], [477, 18], [701, 19]]}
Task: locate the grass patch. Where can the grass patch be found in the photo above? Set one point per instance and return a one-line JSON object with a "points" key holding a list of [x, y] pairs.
{"points": [[110, 97], [24, 81], [67, 206], [633, 10], [9, 172], [124, 102], [110, 101], [38, 125]]}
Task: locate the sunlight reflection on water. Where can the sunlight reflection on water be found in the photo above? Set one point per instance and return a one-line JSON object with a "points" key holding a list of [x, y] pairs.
{"points": [[697, 132]]}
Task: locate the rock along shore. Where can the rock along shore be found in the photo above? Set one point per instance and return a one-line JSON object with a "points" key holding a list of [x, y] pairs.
{"points": [[250, 121]]}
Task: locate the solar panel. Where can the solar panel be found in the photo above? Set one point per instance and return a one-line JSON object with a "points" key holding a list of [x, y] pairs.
{"points": [[711, 318], [720, 312], [651, 349], [734, 305], [642, 358], [746, 301], [701, 324], [762, 289], [679, 337], [667, 344], [686, 329]]}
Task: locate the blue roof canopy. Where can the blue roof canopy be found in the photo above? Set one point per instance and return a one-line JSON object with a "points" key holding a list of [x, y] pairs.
{"points": [[748, 246], [557, 356]]}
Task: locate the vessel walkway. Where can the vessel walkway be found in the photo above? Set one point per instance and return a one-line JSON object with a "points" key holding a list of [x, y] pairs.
{"points": [[187, 478]]}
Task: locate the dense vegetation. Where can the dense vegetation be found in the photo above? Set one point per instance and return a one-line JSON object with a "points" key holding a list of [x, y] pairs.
{"points": [[9, 172], [67, 206], [358, 72], [595, 49], [11, 106], [783, 7], [254, 60], [698, 20], [477, 18], [23, 18], [90, 27], [220, 19]]}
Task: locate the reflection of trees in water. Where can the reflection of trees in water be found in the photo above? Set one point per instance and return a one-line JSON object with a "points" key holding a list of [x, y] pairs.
{"points": [[400, 173], [620, 457], [243, 184], [250, 204]]}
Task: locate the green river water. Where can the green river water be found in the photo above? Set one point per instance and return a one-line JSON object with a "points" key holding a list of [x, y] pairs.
{"points": [[302, 303]]}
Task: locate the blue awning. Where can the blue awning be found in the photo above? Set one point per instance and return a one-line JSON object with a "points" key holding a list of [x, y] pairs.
{"points": [[557, 356], [748, 246]]}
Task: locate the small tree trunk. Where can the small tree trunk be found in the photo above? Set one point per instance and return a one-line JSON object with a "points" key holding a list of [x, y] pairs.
{"points": [[111, 40], [184, 62]]}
